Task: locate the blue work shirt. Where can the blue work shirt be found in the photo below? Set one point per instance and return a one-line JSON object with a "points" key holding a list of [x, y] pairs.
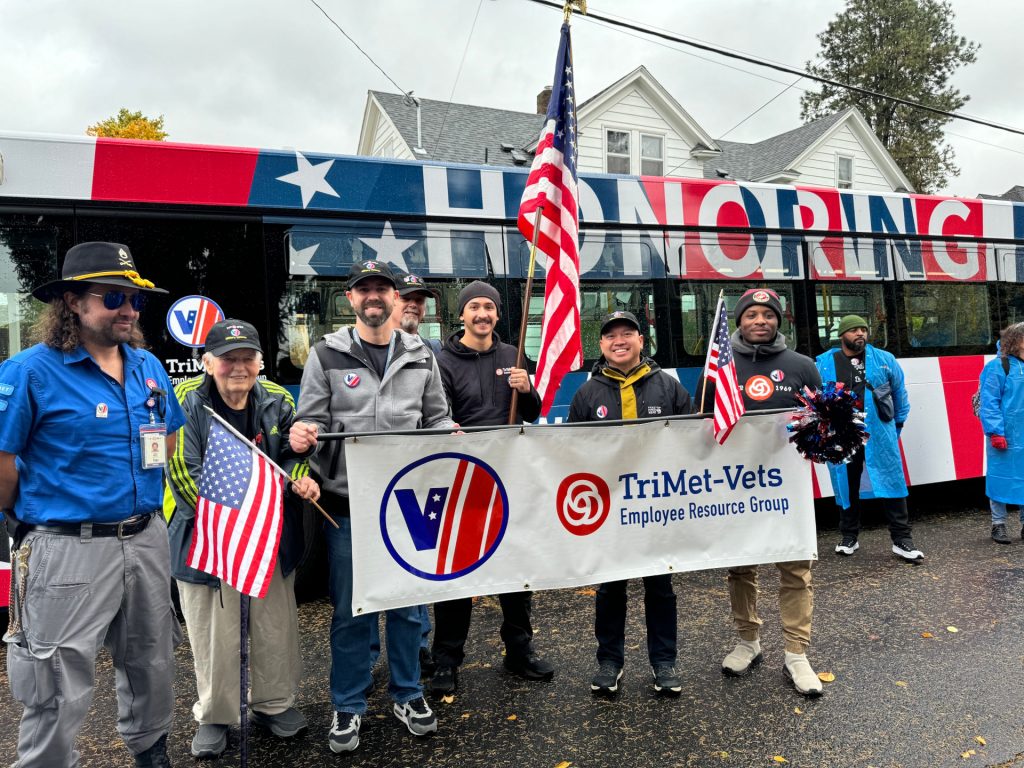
{"points": [[75, 433]]}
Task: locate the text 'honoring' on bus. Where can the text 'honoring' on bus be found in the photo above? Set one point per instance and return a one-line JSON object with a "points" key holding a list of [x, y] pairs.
{"points": [[665, 484]]}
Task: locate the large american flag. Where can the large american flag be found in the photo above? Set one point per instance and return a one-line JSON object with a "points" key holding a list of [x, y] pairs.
{"points": [[238, 514], [552, 184], [721, 369]]}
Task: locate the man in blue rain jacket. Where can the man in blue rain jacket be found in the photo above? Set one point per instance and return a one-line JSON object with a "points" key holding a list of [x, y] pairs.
{"points": [[876, 470]]}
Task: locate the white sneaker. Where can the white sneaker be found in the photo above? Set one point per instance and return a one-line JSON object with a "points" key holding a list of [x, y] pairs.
{"points": [[344, 734], [798, 671], [746, 655]]}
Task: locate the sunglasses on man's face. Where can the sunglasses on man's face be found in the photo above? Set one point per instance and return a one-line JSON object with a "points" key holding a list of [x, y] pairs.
{"points": [[114, 299]]}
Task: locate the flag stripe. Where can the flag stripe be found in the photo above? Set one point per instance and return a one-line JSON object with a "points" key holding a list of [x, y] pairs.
{"points": [[721, 369]]}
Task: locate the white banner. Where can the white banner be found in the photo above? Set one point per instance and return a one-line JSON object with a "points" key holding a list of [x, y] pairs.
{"points": [[447, 516]]}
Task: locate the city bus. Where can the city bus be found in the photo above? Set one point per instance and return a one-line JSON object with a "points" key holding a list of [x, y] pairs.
{"points": [[268, 235]]}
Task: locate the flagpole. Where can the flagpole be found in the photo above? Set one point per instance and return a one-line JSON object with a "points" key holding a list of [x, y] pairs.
{"points": [[252, 446], [707, 358], [243, 685], [526, 310]]}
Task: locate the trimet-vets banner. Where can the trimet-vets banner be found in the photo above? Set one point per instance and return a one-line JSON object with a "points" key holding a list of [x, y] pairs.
{"points": [[440, 517]]}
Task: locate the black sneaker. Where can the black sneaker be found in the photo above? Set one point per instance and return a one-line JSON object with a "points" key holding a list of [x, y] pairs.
{"points": [[444, 680], [417, 715], [155, 756], [847, 546], [905, 549], [667, 680], [999, 534], [530, 667], [344, 734], [606, 681]]}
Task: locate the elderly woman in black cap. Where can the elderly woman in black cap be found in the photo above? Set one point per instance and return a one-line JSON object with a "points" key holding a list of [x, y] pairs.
{"points": [[262, 412]]}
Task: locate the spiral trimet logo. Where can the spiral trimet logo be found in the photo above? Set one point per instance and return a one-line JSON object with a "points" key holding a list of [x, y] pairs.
{"points": [[583, 502]]}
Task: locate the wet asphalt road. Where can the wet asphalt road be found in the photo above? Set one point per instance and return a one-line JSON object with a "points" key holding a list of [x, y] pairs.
{"points": [[900, 697]]}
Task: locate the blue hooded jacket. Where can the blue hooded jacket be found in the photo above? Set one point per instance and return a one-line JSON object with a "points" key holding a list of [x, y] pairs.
{"points": [[1002, 413], [883, 466]]}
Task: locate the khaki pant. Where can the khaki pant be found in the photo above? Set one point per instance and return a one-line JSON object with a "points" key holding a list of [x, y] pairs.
{"points": [[796, 602], [274, 664]]}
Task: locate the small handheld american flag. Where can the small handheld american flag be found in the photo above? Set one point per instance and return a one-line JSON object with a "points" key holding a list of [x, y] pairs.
{"points": [[239, 513], [720, 368]]}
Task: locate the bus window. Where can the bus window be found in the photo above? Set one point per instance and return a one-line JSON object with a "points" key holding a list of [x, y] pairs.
{"points": [[313, 307], [596, 301], [697, 302], [947, 315], [1013, 299], [834, 300], [28, 258]]}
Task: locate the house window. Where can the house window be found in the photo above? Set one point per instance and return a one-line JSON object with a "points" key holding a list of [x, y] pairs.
{"points": [[844, 172], [617, 155], [652, 155]]}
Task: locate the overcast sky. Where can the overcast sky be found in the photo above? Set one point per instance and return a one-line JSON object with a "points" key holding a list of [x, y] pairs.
{"points": [[277, 74]]}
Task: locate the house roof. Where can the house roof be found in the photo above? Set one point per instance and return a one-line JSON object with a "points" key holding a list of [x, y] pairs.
{"points": [[1016, 194], [470, 134], [772, 156]]}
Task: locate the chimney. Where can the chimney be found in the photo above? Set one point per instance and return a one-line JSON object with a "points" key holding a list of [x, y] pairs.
{"points": [[542, 100]]}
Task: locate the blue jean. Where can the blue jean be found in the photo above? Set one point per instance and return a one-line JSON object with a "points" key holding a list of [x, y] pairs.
{"points": [[999, 512], [424, 615], [351, 635]]}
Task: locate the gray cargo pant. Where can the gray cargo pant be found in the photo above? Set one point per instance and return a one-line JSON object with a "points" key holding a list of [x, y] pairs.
{"points": [[82, 593]]}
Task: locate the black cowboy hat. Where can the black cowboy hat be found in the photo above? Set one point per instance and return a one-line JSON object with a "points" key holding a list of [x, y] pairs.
{"points": [[106, 263]]}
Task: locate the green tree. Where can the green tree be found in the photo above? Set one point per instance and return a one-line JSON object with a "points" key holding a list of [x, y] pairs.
{"points": [[130, 125], [903, 48]]}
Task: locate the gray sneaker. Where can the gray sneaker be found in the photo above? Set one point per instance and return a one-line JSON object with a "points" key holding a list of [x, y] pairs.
{"points": [[210, 740], [999, 534], [284, 725]]}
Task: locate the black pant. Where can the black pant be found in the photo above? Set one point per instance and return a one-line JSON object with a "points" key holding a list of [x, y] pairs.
{"points": [[451, 627], [849, 518], [659, 612]]}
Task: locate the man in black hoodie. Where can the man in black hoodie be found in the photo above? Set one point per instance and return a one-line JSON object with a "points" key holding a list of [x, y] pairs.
{"points": [[626, 385], [771, 376], [479, 373]]}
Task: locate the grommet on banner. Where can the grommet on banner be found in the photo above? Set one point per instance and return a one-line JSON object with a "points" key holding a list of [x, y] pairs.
{"points": [[522, 430], [526, 586]]}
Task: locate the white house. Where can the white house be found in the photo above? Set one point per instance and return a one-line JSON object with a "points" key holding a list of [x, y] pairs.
{"points": [[633, 126]]}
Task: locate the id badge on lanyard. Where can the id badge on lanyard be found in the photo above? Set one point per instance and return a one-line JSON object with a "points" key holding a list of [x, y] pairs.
{"points": [[153, 436]]}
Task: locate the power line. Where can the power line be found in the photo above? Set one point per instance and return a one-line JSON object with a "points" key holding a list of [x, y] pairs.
{"points": [[458, 74], [784, 68], [368, 56], [773, 98]]}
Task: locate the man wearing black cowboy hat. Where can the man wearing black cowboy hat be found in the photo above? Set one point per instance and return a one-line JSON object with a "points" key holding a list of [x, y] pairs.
{"points": [[85, 428]]}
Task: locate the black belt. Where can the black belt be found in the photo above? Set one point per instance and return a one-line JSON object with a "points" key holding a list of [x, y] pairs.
{"points": [[124, 529]]}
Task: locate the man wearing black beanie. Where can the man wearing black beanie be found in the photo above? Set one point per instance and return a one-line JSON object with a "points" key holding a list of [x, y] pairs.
{"points": [[770, 375], [479, 373]]}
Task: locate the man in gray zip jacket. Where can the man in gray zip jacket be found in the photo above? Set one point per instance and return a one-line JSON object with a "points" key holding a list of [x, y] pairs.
{"points": [[366, 378]]}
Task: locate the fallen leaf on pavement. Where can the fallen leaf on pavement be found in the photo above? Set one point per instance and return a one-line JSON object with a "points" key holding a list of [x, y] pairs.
{"points": [[723, 754], [563, 764], [980, 740], [901, 684], [927, 634], [954, 630], [465, 715], [797, 710], [512, 717], [449, 699], [587, 592], [780, 759], [826, 677]]}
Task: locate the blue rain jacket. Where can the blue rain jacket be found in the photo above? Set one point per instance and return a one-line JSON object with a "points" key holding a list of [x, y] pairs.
{"points": [[883, 468], [1002, 413]]}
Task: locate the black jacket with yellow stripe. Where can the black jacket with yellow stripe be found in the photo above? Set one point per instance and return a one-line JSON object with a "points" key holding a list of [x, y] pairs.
{"points": [[273, 412], [645, 391]]}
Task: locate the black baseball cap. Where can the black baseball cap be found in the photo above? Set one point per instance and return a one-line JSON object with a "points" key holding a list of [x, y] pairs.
{"points": [[227, 335], [409, 284], [370, 268], [619, 316]]}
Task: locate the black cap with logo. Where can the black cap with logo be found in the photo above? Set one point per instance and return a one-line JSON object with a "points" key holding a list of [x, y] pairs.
{"points": [[409, 284], [362, 270], [231, 334], [619, 316]]}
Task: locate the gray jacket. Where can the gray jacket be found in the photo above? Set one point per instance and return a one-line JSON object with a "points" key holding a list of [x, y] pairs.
{"points": [[341, 392]]}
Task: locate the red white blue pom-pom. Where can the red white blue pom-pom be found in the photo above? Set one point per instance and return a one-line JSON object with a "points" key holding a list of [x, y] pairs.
{"points": [[829, 427]]}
